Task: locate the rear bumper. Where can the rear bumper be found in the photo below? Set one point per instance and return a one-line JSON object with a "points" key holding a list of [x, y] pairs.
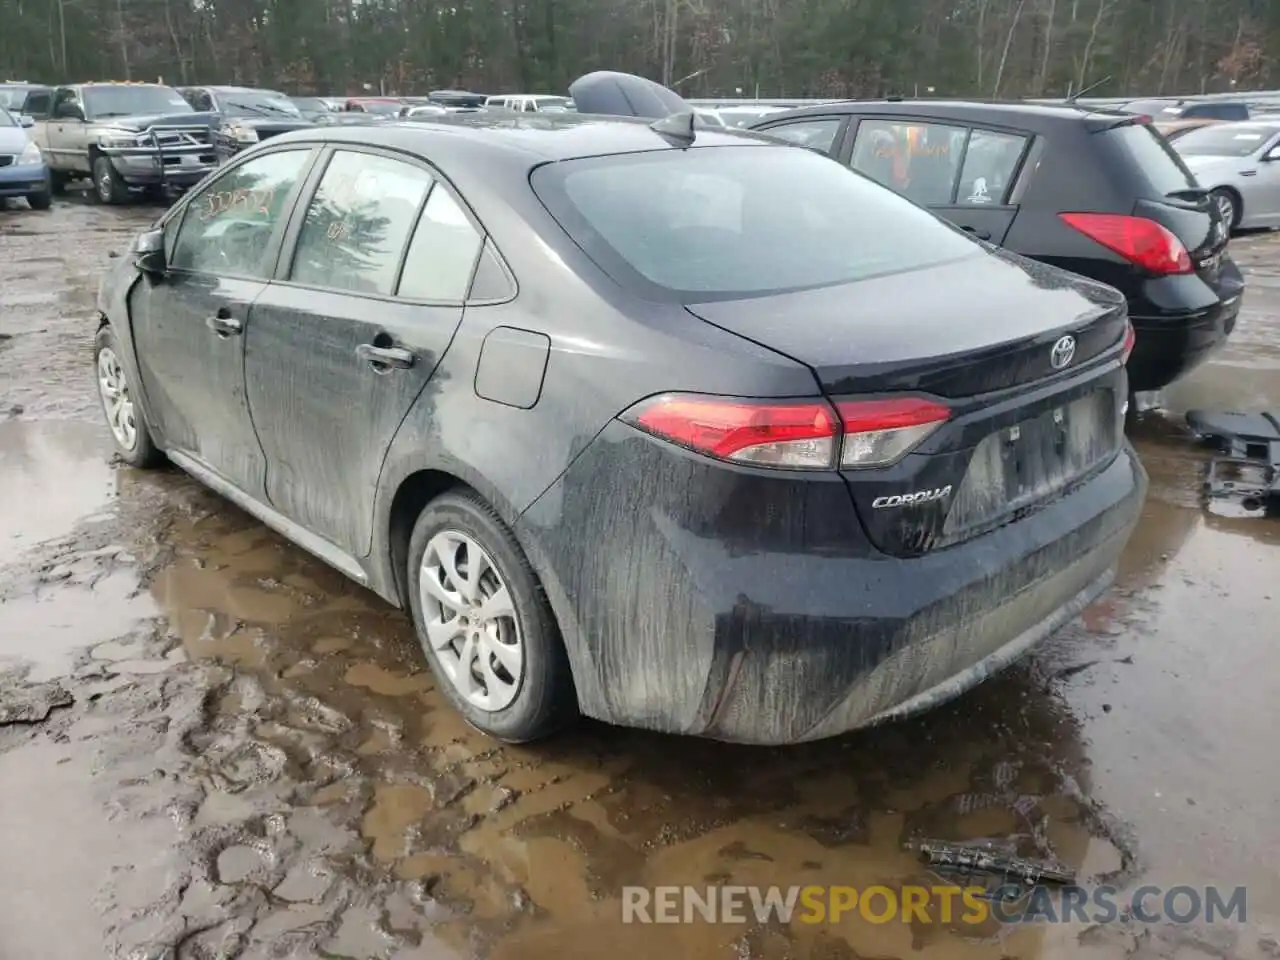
{"points": [[1172, 342], [706, 600], [19, 181]]}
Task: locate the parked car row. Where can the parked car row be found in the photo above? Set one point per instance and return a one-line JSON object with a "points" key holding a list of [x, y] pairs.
{"points": [[146, 138]]}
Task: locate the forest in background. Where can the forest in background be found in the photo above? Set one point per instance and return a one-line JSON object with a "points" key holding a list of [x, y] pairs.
{"points": [[704, 48]]}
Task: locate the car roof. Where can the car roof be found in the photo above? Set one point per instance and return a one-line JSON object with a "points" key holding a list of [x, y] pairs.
{"points": [[522, 139], [973, 111]]}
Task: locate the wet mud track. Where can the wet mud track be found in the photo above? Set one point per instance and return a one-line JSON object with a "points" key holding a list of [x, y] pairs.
{"points": [[213, 746]]}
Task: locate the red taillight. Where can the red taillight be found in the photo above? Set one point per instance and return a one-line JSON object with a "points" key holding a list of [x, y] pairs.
{"points": [[880, 432], [1130, 338], [1140, 241], [794, 434]]}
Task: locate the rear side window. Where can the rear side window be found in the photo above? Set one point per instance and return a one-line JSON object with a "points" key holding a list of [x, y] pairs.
{"points": [[1152, 158], [726, 222], [990, 164], [443, 252], [919, 160], [358, 223]]}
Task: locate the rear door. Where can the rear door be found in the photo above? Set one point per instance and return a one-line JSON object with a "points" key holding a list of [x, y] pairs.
{"points": [[964, 174], [346, 338]]}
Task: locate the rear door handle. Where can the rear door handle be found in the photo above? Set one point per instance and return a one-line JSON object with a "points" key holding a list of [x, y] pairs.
{"points": [[974, 231], [224, 324], [397, 357]]}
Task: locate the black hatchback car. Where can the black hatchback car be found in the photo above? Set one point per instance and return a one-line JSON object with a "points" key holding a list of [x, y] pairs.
{"points": [[687, 430], [1099, 193]]}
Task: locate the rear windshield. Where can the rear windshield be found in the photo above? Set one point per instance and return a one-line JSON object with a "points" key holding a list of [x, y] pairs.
{"points": [[1225, 141], [725, 222], [1153, 158]]}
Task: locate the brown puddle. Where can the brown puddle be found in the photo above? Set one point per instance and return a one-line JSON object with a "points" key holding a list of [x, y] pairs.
{"points": [[54, 474]]}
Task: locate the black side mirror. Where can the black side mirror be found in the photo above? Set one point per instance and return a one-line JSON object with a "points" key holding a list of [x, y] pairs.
{"points": [[148, 253]]}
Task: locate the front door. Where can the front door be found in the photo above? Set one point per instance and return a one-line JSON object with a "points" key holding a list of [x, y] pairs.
{"points": [[341, 346], [190, 325]]}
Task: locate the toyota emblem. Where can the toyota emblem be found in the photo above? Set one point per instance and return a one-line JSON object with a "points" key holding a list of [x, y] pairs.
{"points": [[1064, 351]]}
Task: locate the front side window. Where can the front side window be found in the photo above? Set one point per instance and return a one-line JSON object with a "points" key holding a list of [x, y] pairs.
{"points": [[358, 223], [919, 160], [443, 252], [65, 105], [990, 163], [727, 222], [817, 134], [227, 227]]}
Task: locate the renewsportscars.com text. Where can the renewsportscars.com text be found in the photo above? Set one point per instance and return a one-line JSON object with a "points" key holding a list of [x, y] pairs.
{"points": [[937, 904]]}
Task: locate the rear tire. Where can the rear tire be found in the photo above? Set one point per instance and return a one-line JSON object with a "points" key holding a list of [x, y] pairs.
{"points": [[490, 638], [1229, 205], [119, 401]]}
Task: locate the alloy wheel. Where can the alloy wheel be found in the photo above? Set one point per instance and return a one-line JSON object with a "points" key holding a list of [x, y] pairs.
{"points": [[117, 402], [1227, 208], [471, 621]]}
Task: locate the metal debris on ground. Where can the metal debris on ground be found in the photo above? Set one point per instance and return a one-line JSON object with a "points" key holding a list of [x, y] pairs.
{"points": [[1248, 469], [967, 861]]}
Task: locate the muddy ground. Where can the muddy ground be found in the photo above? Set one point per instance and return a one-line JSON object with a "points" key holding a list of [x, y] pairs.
{"points": [[213, 746]]}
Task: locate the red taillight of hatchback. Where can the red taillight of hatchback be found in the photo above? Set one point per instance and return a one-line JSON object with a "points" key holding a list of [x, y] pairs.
{"points": [[792, 434], [1142, 242]]}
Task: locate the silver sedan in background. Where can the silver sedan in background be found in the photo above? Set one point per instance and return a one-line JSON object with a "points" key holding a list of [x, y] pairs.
{"points": [[1239, 163]]}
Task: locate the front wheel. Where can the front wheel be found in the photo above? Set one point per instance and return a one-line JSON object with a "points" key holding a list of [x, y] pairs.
{"points": [[484, 622], [41, 199], [120, 406], [107, 185], [1228, 206]]}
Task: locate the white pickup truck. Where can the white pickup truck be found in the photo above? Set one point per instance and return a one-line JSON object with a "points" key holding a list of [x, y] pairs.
{"points": [[125, 137]]}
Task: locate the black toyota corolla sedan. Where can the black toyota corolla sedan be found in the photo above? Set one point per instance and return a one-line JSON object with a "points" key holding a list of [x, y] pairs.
{"points": [[675, 428]]}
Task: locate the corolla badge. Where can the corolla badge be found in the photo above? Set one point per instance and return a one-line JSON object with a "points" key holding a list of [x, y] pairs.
{"points": [[1063, 352], [911, 499]]}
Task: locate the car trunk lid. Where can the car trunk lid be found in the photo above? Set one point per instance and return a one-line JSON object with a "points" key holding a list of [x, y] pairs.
{"points": [[1028, 416]]}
